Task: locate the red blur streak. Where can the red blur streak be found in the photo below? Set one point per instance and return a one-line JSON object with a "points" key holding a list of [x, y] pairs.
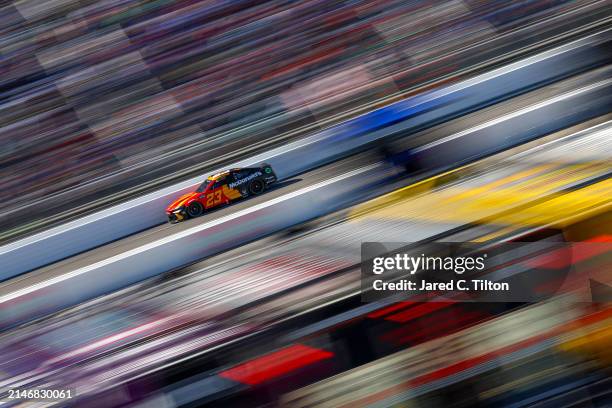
{"points": [[389, 309], [275, 364], [590, 319], [565, 257], [600, 238], [418, 311], [434, 327]]}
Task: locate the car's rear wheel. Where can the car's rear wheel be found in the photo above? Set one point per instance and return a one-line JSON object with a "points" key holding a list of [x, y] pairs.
{"points": [[256, 187], [195, 209]]}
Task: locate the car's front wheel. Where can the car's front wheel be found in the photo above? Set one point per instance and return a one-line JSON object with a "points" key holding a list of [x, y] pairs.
{"points": [[195, 209]]}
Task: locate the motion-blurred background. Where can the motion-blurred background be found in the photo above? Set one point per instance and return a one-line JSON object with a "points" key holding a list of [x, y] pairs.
{"points": [[396, 121]]}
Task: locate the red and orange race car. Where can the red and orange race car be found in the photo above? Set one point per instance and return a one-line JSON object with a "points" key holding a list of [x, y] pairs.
{"points": [[221, 188]]}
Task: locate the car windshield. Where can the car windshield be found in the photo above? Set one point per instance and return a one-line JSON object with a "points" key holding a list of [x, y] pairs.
{"points": [[203, 186]]}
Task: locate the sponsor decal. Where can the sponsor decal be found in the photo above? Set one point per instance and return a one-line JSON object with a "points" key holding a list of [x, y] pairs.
{"points": [[244, 180]]}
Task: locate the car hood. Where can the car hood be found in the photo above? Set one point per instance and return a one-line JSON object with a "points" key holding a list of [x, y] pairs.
{"points": [[182, 200]]}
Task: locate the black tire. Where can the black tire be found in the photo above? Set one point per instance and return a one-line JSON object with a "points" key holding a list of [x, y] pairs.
{"points": [[256, 187], [195, 209]]}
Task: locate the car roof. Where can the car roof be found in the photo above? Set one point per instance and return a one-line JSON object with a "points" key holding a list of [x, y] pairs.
{"points": [[216, 176]]}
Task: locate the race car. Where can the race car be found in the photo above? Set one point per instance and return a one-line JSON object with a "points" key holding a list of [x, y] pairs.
{"points": [[220, 189]]}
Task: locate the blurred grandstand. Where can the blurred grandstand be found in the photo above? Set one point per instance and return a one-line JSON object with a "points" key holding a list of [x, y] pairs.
{"points": [[101, 101]]}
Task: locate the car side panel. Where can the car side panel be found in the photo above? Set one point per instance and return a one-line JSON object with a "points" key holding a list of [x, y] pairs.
{"points": [[220, 195], [214, 198], [231, 193]]}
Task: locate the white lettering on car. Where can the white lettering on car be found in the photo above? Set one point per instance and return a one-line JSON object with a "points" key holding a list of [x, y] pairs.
{"points": [[244, 180]]}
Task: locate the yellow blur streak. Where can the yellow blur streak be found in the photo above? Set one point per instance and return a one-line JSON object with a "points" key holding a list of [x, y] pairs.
{"points": [[593, 342], [528, 198]]}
